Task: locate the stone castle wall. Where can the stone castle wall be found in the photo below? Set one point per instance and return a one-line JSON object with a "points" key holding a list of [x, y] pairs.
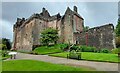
{"points": [[99, 37], [24, 38], [27, 32], [72, 23]]}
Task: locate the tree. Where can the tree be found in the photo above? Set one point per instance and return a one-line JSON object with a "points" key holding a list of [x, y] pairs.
{"points": [[118, 28], [117, 41], [48, 36], [86, 28], [3, 47], [7, 43]]}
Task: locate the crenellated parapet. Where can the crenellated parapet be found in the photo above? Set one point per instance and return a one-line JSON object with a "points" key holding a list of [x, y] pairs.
{"points": [[44, 15], [19, 22]]}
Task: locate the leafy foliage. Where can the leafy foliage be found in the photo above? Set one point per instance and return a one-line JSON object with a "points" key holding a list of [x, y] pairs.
{"points": [[118, 41], [83, 48], [86, 28], [3, 47], [87, 49], [74, 55], [115, 51], [64, 46], [7, 43], [4, 53], [118, 28], [48, 36], [74, 47], [104, 50]]}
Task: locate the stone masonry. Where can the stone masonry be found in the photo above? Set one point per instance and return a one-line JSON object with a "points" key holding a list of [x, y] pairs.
{"points": [[99, 37], [70, 26]]}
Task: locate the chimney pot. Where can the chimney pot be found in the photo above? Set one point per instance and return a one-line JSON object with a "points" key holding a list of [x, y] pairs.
{"points": [[75, 8]]}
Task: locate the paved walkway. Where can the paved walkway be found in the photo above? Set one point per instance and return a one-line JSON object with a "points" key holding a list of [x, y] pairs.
{"points": [[100, 66]]}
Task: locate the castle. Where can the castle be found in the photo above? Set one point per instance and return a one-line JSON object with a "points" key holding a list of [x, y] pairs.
{"points": [[70, 26]]}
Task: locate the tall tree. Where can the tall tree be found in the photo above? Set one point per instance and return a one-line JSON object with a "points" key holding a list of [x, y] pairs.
{"points": [[118, 28], [49, 35], [7, 43]]}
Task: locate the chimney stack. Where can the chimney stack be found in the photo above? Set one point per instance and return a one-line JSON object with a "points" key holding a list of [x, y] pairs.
{"points": [[75, 8], [43, 10]]}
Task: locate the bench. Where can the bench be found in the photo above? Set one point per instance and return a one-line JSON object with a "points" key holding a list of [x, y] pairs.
{"points": [[12, 54]]}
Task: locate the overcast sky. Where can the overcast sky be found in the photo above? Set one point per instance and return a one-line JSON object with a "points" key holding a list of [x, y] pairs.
{"points": [[94, 13]]}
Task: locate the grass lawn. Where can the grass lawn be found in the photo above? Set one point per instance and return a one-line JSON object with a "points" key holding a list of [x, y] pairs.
{"points": [[105, 57], [48, 49], [33, 65]]}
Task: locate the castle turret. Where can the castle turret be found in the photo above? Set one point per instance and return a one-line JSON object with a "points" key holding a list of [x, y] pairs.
{"points": [[45, 13]]}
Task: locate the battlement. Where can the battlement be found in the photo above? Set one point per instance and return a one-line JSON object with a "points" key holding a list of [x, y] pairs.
{"points": [[44, 15]]}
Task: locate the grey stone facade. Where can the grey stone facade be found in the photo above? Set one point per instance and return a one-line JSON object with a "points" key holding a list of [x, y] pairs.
{"points": [[99, 37]]}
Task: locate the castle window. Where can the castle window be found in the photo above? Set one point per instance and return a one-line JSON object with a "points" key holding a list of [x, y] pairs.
{"points": [[69, 16], [94, 29], [40, 23]]}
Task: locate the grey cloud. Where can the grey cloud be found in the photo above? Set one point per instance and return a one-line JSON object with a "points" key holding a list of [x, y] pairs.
{"points": [[103, 12], [95, 14]]}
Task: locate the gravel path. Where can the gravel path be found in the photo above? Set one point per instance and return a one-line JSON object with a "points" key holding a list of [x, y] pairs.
{"points": [[100, 66]]}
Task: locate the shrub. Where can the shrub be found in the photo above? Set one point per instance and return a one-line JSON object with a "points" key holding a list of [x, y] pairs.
{"points": [[104, 50], [4, 53], [74, 47], [115, 51], [74, 55], [118, 41], [78, 49], [3, 47], [63, 46], [87, 49]]}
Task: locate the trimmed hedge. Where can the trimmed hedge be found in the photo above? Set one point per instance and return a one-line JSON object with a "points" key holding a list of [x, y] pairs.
{"points": [[83, 48], [63, 46], [87, 49]]}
